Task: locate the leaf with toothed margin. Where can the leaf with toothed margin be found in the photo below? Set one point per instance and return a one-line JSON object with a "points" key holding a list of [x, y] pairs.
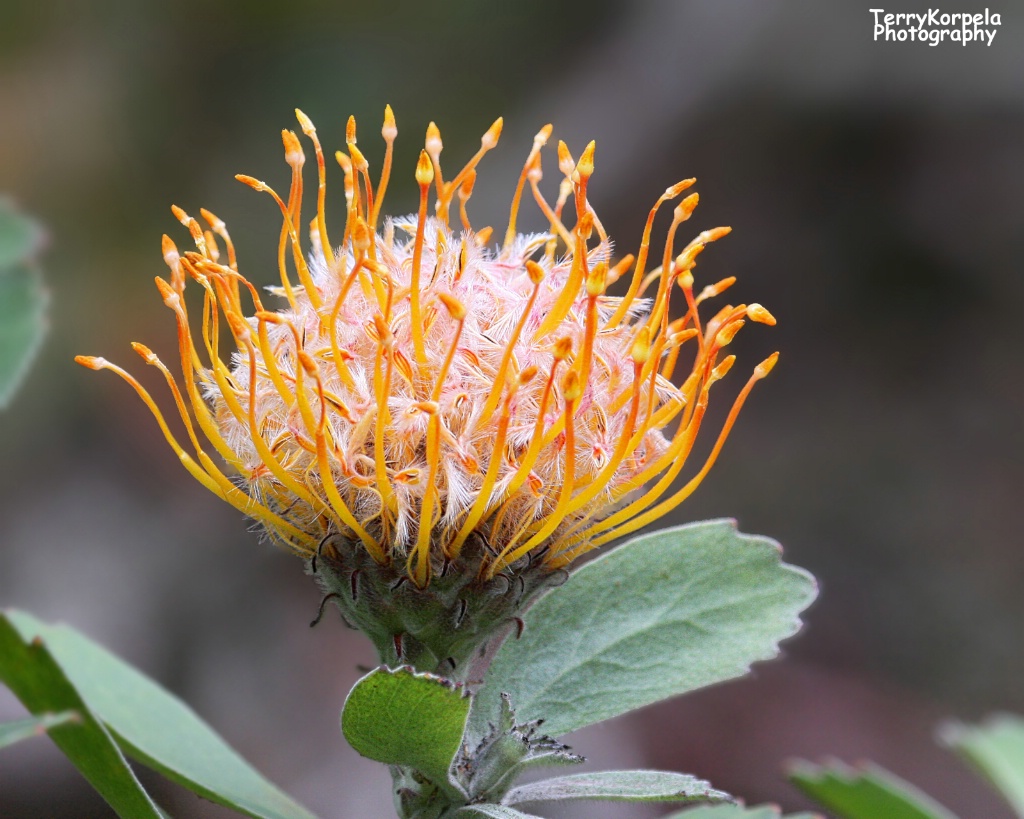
{"points": [[663, 614], [408, 718], [618, 786]]}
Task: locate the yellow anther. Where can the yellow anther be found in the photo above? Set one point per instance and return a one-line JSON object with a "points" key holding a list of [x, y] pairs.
{"points": [[384, 334], [585, 167], [93, 362], [562, 349], [433, 143], [350, 130], [586, 225], [528, 374], [766, 366], [170, 251], [717, 289], [490, 139], [566, 164], [683, 336], [212, 220], [429, 407], [596, 279], [714, 234], [466, 188], [571, 388], [252, 182], [361, 235], [755, 312], [676, 189], [305, 123], [724, 366], [344, 161], [455, 308], [171, 298], [293, 153], [308, 363], [238, 326], [534, 271], [147, 354], [641, 349], [684, 210], [424, 170], [358, 160], [728, 333], [390, 130]]}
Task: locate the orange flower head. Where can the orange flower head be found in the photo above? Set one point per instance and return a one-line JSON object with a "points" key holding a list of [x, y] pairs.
{"points": [[424, 393]]}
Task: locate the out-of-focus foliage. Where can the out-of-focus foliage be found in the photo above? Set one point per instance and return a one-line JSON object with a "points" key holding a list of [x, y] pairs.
{"points": [[22, 297], [54, 666], [995, 748]]}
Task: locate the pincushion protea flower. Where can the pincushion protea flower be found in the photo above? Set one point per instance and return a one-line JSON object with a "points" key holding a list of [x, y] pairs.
{"points": [[427, 400]]}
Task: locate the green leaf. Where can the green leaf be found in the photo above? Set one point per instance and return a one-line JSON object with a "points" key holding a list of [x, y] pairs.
{"points": [[868, 792], [996, 748], [661, 615], [20, 237], [35, 677], [156, 728], [11, 732], [22, 297], [739, 812], [622, 786], [406, 718], [23, 301], [489, 811]]}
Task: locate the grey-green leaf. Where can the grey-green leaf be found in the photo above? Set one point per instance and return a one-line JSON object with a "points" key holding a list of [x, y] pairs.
{"points": [[739, 812], [663, 614], [36, 678], [156, 728], [20, 236], [621, 786], [491, 811], [996, 748], [867, 792], [22, 323], [11, 732], [402, 717]]}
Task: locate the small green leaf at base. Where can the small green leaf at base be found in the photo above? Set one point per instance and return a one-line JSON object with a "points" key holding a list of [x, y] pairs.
{"points": [[11, 732], [996, 749], [491, 811], [155, 727], [867, 792], [35, 677], [401, 717], [663, 614], [624, 786], [740, 812]]}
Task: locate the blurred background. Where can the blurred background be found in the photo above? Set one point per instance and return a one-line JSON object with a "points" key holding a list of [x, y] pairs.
{"points": [[875, 190]]}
